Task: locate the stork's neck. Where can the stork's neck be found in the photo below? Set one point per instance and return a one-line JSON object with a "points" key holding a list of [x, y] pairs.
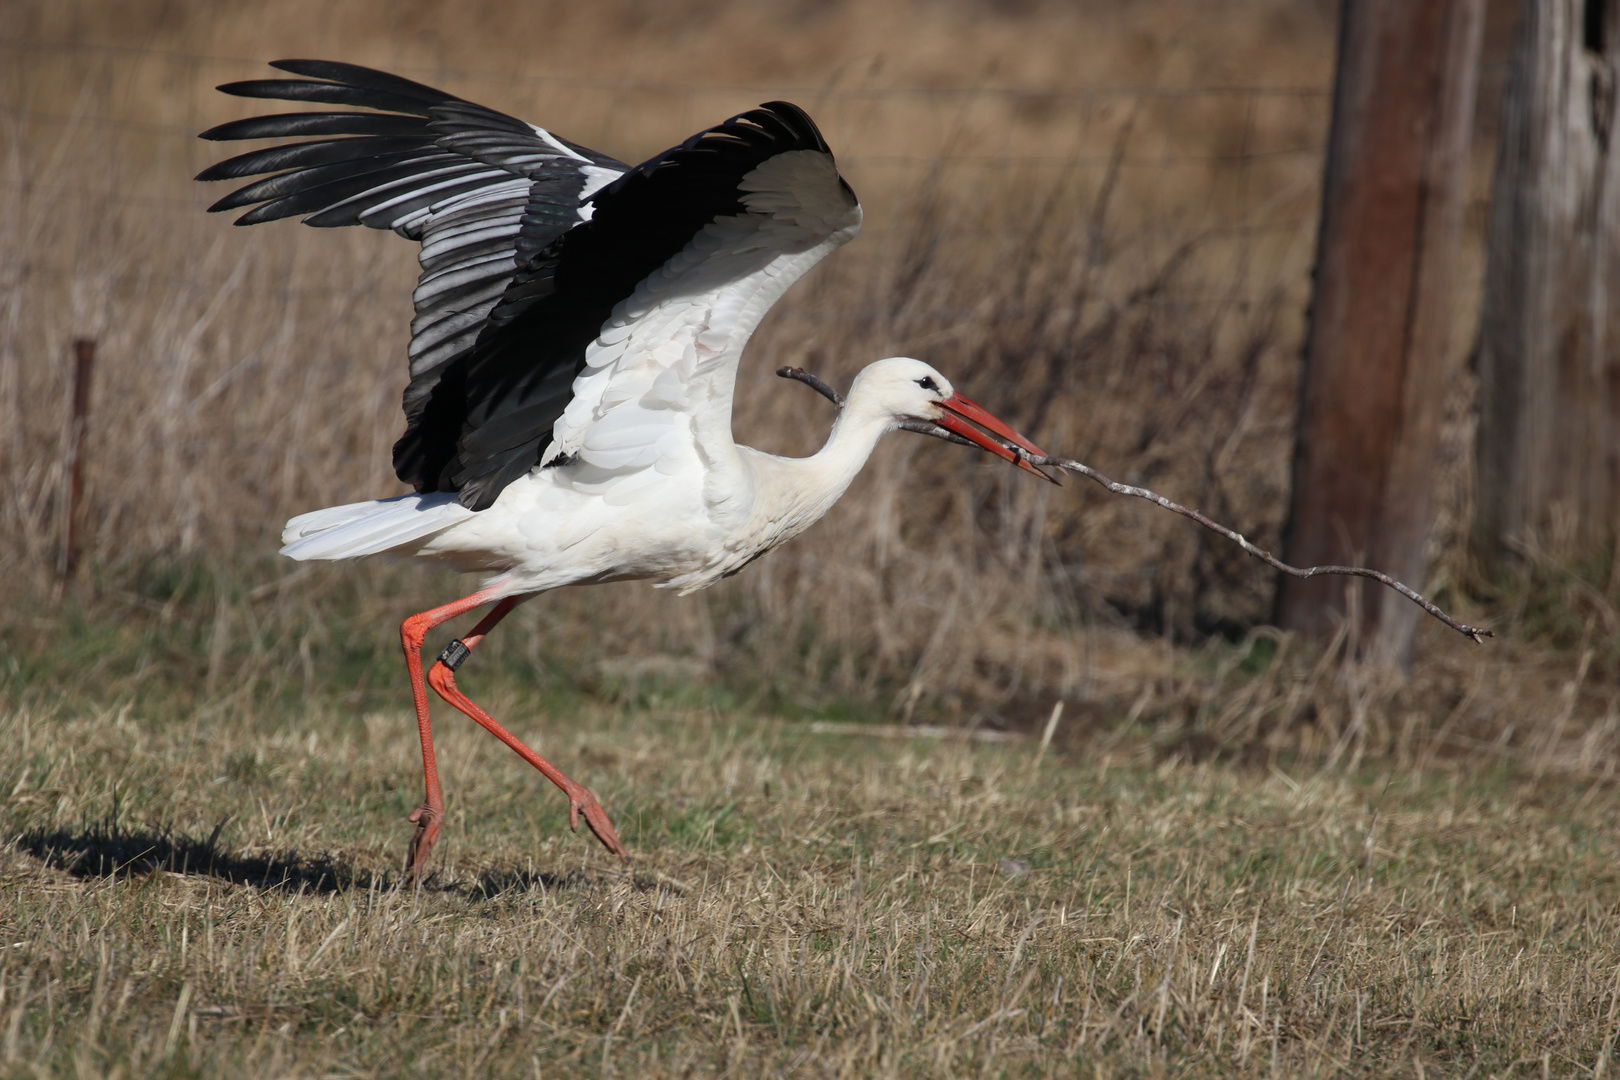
{"points": [[800, 490], [853, 437]]}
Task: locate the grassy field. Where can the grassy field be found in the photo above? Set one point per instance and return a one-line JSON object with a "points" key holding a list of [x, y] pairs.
{"points": [[191, 895], [205, 825]]}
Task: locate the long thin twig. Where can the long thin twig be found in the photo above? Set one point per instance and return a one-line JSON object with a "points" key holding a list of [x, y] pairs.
{"points": [[1478, 634]]}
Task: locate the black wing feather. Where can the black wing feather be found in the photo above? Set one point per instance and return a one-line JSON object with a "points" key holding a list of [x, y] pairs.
{"points": [[313, 177], [364, 78], [326, 94], [313, 123], [329, 196], [309, 155]]}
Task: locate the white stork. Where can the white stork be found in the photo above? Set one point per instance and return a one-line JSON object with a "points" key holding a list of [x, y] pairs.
{"points": [[574, 352]]}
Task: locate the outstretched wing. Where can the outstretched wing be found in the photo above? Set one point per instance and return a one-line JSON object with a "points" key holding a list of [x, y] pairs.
{"points": [[481, 191], [565, 311], [682, 257]]}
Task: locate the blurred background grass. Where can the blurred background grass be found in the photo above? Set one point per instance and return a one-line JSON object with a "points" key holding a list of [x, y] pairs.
{"points": [[1098, 218]]}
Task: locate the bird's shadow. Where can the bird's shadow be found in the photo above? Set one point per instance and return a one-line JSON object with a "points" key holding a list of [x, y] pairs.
{"points": [[105, 850]]}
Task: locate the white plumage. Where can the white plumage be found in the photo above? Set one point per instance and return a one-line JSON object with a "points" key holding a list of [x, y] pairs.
{"points": [[574, 353]]}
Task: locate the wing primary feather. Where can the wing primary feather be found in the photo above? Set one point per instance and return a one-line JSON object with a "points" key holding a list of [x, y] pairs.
{"points": [[326, 196], [327, 94], [315, 123], [369, 78], [282, 184], [456, 115], [309, 154]]}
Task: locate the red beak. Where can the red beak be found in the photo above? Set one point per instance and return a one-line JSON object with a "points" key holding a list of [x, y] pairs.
{"points": [[959, 410]]}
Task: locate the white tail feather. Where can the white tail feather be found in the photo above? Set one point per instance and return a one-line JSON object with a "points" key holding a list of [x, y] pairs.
{"points": [[369, 528]]}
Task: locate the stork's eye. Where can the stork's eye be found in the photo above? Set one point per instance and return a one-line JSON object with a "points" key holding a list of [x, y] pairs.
{"points": [[927, 383]]}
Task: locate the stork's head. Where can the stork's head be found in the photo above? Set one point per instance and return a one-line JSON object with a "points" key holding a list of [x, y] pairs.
{"points": [[910, 390]]}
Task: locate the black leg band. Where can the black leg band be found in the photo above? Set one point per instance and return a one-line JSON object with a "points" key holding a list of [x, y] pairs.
{"points": [[454, 653]]}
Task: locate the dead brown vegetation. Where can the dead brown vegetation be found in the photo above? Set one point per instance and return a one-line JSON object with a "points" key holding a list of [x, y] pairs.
{"points": [[1099, 219], [1119, 267]]}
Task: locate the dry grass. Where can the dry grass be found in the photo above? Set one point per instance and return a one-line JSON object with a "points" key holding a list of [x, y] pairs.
{"points": [[203, 811], [1120, 271], [199, 898]]}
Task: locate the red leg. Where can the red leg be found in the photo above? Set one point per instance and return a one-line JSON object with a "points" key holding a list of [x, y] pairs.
{"points": [[442, 678], [428, 816]]}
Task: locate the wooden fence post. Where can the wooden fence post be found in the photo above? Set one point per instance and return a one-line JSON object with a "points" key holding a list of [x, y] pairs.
{"points": [[1377, 350], [84, 362], [1549, 353]]}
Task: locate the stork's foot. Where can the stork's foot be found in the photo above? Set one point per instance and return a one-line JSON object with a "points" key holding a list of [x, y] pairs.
{"points": [[583, 802], [426, 818]]}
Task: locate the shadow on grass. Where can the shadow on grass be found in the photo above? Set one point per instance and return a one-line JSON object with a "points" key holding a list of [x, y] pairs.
{"points": [[107, 851], [104, 850]]}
